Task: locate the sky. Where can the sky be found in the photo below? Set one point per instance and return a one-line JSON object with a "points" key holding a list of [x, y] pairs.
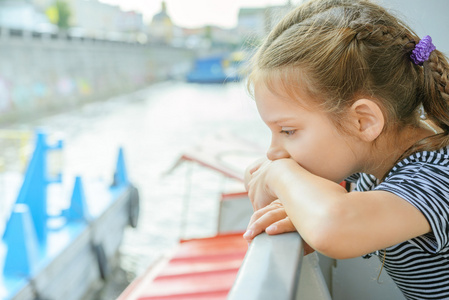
{"points": [[195, 13]]}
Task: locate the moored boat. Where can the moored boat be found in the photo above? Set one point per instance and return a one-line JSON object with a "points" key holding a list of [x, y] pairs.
{"points": [[216, 69], [57, 248]]}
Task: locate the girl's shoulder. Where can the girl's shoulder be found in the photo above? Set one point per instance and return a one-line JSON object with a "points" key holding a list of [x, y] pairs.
{"points": [[423, 162], [422, 179]]}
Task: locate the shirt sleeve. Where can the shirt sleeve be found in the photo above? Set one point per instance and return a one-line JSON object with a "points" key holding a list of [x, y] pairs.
{"points": [[353, 178], [363, 182], [426, 187]]}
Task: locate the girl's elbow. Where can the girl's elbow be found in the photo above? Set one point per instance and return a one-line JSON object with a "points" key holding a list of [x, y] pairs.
{"points": [[329, 236], [323, 242], [330, 245]]}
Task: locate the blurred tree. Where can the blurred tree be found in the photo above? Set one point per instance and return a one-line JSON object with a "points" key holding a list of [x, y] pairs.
{"points": [[59, 13], [208, 33]]}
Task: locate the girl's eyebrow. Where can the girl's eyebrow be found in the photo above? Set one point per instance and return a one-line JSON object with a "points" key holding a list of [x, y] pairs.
{"points": [[279, 122], [286, 119]]}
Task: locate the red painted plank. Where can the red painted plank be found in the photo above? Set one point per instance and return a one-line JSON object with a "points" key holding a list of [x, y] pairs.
{"points": [[215, 246], [176, 268], [201, 269], [216, 295], [190, 284]]}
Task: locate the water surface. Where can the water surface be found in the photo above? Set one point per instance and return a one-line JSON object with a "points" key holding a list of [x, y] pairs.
{"points": [[155, 126]]}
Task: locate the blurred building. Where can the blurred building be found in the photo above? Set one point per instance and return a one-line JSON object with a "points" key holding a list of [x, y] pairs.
{"points": [[251, 22], [24, 15], [221, 37], [86, 18], [254, 23], [91, 18], [161, 27]]}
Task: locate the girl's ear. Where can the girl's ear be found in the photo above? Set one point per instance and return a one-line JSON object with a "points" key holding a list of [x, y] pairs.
{"points": [[368, 119]]}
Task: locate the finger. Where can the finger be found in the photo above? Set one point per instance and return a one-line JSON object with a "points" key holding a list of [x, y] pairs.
{"points": [[248, 175], [259, 199], [261, 167], [246, 180], [255, 199], [256, 164], [260, 212], [284, 225], [263, 222]]}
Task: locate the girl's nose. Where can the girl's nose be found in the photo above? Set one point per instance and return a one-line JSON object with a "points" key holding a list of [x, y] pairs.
{"points": [[277, 152]]}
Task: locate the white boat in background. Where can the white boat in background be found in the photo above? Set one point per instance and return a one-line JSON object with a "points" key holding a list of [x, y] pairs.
{"points": [[55, 248]]}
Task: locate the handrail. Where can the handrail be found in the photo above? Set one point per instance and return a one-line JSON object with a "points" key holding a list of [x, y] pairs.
{"points": [[271, 268]]}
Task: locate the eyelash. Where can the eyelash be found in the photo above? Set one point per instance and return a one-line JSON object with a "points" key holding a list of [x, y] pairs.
{"points": [[288, 132]]}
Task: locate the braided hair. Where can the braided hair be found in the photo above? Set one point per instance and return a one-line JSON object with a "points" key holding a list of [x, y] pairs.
{"points": [[346, 49]]}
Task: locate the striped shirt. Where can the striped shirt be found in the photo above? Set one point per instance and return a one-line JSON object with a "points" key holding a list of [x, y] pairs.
{"points": [[420, 266]]}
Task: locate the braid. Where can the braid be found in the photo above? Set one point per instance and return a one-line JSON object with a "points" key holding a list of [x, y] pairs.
{"points": [[436, 100], [439, 71], [382, 35], [353, 48], [434, 78]]}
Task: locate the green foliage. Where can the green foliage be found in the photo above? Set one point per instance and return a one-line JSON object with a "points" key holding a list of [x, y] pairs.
{"points": [[208, 32], [59, 13], [63, 13]]}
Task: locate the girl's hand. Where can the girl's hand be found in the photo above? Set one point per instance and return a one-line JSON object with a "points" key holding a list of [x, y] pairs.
{"points": [[256, 183], [252, 168], [273, 220]]}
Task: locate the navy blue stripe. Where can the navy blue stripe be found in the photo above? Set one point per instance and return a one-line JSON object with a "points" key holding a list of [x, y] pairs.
{"points": [[420, 267]]}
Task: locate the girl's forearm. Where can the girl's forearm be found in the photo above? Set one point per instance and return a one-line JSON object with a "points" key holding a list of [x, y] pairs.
{"points": [[312, 203]]}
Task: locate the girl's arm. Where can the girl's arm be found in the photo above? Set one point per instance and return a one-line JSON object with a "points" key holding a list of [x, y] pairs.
{"points": [[331, 220], [273, 220]]}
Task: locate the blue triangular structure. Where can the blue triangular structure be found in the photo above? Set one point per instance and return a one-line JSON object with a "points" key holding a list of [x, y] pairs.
{"points": [[78, 207], [120, 175], [20, 237], [34, 188]]}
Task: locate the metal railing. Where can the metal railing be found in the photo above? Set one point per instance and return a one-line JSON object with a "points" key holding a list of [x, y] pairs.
{"points": [[275, 268]]}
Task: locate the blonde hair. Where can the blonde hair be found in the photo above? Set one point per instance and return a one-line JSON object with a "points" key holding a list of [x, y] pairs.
{"points": [[344, 49]]}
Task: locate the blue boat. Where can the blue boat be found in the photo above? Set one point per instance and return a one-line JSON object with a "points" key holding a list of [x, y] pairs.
{"points": [[63, 255], [214, 69]]}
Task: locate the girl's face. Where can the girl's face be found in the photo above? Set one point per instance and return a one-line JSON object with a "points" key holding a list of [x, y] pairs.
{"points": [[306, 134]]}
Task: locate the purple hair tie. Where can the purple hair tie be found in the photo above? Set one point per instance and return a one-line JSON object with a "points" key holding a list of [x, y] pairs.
{"points": [[422, 51]]}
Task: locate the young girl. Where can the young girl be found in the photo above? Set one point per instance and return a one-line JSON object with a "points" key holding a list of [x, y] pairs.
{"points": [[349, 92]]}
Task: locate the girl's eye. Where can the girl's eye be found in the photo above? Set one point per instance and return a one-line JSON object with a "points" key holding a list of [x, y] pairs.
{"points": [[288, 132]]}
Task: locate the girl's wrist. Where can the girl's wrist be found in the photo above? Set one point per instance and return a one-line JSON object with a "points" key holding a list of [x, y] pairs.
{"points": [[280, 172]]}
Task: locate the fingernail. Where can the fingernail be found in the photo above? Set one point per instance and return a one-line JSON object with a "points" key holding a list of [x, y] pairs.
{"points": [[271, 228], [248, 234]]}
